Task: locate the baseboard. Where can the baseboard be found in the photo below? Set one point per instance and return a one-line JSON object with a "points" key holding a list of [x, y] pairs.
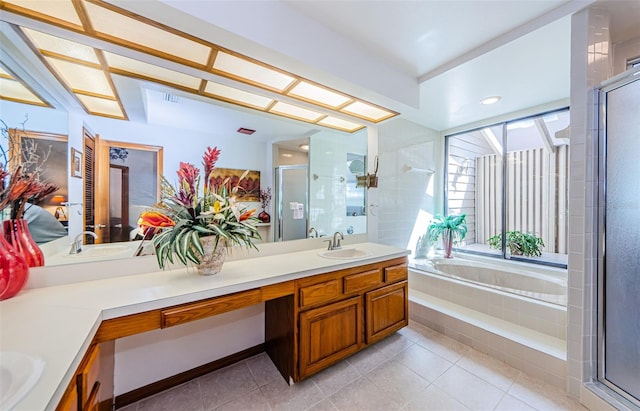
{"points": [[170, 382]]}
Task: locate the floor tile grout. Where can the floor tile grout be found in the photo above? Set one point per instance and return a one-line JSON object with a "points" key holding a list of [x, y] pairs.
{"points": [[362, 374]]}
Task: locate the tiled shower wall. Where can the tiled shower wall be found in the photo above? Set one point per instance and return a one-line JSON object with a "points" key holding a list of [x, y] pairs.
{"points": [[591, 64], [406, 199]]}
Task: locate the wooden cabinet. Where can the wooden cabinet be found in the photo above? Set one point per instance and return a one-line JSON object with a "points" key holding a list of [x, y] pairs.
{"points": [[387, 311], [310, 323], [329, 333], [83, 394], [69, 401], [340, 313]]}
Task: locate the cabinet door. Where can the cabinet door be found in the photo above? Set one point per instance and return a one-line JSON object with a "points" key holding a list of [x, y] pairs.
{"points": [[387, 311], [88, 375], [329, 333], [69, 401]]}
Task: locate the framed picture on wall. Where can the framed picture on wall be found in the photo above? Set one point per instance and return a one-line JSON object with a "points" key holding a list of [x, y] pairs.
{"points": [[76, 163], [248, 188]]}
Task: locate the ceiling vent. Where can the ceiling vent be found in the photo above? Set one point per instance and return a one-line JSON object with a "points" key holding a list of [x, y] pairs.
{"points": [[171, 98], [247, 131]]}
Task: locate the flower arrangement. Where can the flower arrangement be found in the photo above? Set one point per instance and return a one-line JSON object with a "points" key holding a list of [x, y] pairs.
{"points": [[184, 218], [265, 198], [20, 181]]}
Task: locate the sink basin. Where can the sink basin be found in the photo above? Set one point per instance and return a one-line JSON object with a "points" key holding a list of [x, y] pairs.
{"points": [[103, 251], [345, 254], [18, 374]]}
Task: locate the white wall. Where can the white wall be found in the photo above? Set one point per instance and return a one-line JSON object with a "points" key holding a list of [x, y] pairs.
{"points": [[407, 199], [149, 357]]}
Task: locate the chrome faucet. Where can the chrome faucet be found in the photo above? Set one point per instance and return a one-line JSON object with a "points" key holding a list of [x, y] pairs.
{"points": [[335, 244], [336, 240], [76, 246], [313, 230]]}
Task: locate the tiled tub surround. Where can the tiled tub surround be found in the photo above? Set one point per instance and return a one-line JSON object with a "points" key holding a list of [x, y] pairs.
{"points": [[526, 333]]}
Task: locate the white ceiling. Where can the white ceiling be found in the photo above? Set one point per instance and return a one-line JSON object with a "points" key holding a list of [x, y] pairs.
{"points": [[452, 53], [430, 60]]}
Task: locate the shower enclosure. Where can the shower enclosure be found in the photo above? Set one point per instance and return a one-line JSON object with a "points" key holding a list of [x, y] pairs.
{"points": [[619, 271], [292, 202]]}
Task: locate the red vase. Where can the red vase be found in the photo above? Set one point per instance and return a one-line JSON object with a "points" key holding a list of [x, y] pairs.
{"points": [[16, 232], [14, 270], [264, 217]]}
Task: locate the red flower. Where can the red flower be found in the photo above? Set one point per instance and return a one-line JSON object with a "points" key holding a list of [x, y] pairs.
{"points": [[155, 219], [247, 214], [209, 159], [188, 187]]}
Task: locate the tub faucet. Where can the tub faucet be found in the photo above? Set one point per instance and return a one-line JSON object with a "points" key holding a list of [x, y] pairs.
{"points": [[76, 246]]}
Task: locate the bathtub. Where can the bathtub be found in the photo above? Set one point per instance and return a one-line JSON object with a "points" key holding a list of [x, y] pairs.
{"points": [[512, 311], [544, 284]]}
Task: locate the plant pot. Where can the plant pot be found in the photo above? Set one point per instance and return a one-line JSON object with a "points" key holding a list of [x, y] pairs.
{"points": [[214, 257], [16, 232], [447, 244]]}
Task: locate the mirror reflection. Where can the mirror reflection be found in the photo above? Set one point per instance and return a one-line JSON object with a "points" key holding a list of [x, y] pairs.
{"points": [[118, 163]]}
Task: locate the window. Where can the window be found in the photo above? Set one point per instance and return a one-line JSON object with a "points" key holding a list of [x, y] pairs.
{"points": [[512, 177], [633, 63]]}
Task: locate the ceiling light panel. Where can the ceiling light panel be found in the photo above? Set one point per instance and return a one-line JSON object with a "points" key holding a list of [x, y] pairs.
{"points": [[340, 124], [59, 9], [61, 46], [319, 95], [367, 111], [132, 31], [13, 90], [151, 72], [237, 96], [82, 78], [289, 110], [252, 72], [101, 106]]}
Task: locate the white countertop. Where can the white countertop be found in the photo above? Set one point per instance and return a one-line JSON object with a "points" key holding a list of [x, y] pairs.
{"points": [[57, 323]]}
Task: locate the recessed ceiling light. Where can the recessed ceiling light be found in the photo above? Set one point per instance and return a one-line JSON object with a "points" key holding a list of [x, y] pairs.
{"points": [[490, 100], [304, 147]]}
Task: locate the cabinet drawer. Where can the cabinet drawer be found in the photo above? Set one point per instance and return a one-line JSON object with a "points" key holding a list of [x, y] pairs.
{"points": [[395, 273], [362, 281], [318, 293], [206, 308]]}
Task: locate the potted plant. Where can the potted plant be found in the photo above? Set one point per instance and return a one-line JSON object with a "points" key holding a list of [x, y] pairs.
{"points": [[198, 227], [452, 229], [519, 243]]}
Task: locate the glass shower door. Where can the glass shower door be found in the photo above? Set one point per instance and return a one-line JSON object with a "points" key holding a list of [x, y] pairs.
{"points": [[619, 332]]}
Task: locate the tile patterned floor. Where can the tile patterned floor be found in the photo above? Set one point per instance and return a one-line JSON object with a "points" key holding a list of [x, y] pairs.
{"points": [[415, 369]]}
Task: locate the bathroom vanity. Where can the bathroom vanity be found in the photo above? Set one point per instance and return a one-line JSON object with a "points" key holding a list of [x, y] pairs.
{"points": [[318, 311]]}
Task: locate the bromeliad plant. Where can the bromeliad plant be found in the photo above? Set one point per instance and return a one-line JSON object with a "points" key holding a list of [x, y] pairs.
{"points": [[183, 217]]}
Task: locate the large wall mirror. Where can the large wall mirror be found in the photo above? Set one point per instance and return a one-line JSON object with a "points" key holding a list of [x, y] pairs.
{"points": [[122, 160]]}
